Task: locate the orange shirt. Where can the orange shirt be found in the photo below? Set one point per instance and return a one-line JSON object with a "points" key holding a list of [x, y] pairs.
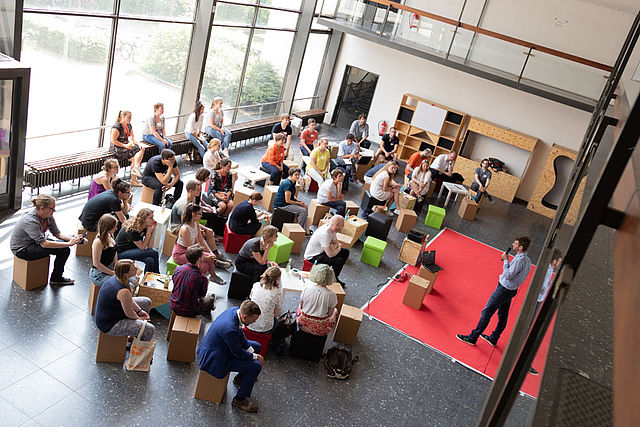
{"points": [[414, 162], [274, 155]]}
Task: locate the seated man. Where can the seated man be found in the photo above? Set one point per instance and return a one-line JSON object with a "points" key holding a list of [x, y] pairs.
{"points": [[318, 167], [360, 129], [389, 147], [273, 160], [347, 158], [284, 128], [157, 175], [325, 248], [225, 349], [220, 189], [286, 198], [330, 192], [115, 201], [30, 241], [189, 295], [415, 160], [308, 138], [481, 180], [442, 168]]}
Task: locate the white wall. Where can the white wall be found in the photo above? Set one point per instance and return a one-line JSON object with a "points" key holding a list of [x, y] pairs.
{"points": [[402, 73]]}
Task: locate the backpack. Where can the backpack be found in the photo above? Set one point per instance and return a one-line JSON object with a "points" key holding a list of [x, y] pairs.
{"points": [[285, 328], [339, 362], [497, 164]]}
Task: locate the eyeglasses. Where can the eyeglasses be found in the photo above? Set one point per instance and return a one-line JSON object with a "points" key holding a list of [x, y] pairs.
{"points": [[52, 209]]}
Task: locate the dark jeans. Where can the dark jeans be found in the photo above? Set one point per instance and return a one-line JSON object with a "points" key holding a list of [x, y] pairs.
{"points": [[152, 182], [455, 177], [276, 175], [500, 301], [250, 267], [350, 169], [305, 150], [148, 256], [249, 369], [479, 194], [36, 252], [247, 229], [337, 262], [339, 205]]}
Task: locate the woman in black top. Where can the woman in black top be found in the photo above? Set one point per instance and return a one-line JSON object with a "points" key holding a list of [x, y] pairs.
{"points": [[103, 250], [135, 240], [124, 146], [243, 219], [252, 258]]}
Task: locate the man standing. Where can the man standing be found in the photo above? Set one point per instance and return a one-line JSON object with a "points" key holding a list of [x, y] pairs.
{"points": [[347, 158], [286, 198], [360, 129], [225, 349], [514, 273], [189, 295], [324, 247], [157, 175], [389, 147], [330, 192], [442, 167]]}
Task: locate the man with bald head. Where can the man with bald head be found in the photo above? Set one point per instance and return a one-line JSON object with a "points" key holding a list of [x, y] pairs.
{"points": [[324, 247], [442, 167]]}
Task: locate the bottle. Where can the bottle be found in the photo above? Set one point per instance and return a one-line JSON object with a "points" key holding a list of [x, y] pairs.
{"points": [[347, 214], [164, 204], [288, 266]]}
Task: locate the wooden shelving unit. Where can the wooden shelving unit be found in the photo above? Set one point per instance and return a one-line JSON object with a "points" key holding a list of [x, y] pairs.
{"points": [[412, 138]]}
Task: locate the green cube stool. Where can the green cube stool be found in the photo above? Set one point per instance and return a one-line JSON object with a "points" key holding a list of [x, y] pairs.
{"points": [[281, 250], [372, 251], [171, 266], [434, 217]]}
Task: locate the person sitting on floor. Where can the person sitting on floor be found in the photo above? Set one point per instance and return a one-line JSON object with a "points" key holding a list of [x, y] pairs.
{"points": [[324, 247], [189, 295], [157, 175], [135, 240], [284, 128], [30, 240], [253, 256], [268, 295], [319, 162], [442, 168], [102, 181], [286, 199], [389, 147], [115, 201], [220, 189], [225, 349], [360, 129], [481, 181], [190, 234], [317, 312], [154, 131], [118, 312], [420, 180], [384, 189], [308, 138], [192, 129], [103, 250], [243, 219], [124, 146], [273, 160], [330, 192], [348, 155]]}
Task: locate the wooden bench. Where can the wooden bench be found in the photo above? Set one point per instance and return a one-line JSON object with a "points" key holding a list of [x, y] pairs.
{"points": [[252, 128], [316, 113]]}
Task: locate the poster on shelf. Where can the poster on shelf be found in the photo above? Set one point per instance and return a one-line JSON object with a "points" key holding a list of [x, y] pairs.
{"points": [[429, 117]]}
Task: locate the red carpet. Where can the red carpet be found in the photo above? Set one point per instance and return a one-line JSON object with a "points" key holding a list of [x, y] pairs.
{"points": [[470, 274]]}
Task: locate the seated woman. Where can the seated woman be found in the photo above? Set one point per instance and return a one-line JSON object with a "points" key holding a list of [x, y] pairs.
{"points": [[115, 201], [211, 159], [135, 240], [317, 312], [193, 126], [318, 167], [190, 234], [252, 258], [243, 219], [102, 181], [124, 146], [308, 138], [215, 124], [420, 180], [384, 189], [268, 295], [154, 132], [118, 312], [221, 189], [273, 160], [103, 250]]}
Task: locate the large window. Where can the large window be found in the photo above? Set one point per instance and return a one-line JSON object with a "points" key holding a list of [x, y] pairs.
{"points": [[310, 71]]}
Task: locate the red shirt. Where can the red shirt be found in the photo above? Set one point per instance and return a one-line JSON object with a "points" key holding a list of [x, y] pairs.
{"points": [[308, 137], [274, 155], [414, 161]]}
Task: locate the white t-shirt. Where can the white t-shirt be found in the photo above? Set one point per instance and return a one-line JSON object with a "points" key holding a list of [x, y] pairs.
{"points": [[317, 300], [320, 240], [327, 188], [192, 125], [377, 186], [268, 300], [441, 163]]}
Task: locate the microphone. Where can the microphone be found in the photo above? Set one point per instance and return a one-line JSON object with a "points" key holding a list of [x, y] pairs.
{"points": [[508, 251]]}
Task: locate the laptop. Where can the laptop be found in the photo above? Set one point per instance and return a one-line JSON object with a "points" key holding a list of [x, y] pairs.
{"points": [[364, 160], [429, 261]]}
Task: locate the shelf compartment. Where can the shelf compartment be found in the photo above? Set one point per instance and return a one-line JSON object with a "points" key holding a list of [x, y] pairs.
{"points": [[454, 117], [402, 127], [405, 115], [445, 143]]}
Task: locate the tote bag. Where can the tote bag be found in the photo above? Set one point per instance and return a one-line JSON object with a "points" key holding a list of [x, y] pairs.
{"points": [[141, 353]]}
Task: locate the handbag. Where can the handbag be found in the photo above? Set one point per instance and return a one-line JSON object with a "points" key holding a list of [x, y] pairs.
{"points": [[141, 353]]}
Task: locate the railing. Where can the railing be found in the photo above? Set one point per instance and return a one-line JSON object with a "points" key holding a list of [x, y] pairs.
{"points": [[456, 41]]}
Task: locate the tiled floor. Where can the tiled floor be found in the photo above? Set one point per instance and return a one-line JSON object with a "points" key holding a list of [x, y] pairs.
{"points": [[48, 375]]}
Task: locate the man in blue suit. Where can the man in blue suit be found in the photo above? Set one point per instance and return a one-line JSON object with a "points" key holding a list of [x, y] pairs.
{"points": [[225, 349]]}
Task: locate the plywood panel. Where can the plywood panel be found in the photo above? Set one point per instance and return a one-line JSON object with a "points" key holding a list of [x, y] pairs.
{"points": [[502, 185], [507, 136]]}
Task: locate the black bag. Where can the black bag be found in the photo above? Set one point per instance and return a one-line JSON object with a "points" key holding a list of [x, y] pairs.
{"points": [[496, 164], [417, 236], [286, 327], [169, 201], [193, 156], [339, 362]]}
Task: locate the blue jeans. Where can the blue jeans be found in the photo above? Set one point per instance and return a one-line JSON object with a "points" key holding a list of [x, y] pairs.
{"points": [[339, 205], [249, 369], [275, 173], [155, 141], [200, 146], [500, 301], [148, 256], [226, 138]]}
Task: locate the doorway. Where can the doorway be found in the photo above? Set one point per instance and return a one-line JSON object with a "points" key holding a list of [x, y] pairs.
{"points": [[356, 94]]}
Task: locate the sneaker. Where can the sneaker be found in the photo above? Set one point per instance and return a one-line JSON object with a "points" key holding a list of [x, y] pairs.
{"points": [[533, 371], [217, 280], [222, 264], [490, 198], [237, 380], [223, 259], [244, 404], [487, 338], [61, 281], [465, 338]]}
